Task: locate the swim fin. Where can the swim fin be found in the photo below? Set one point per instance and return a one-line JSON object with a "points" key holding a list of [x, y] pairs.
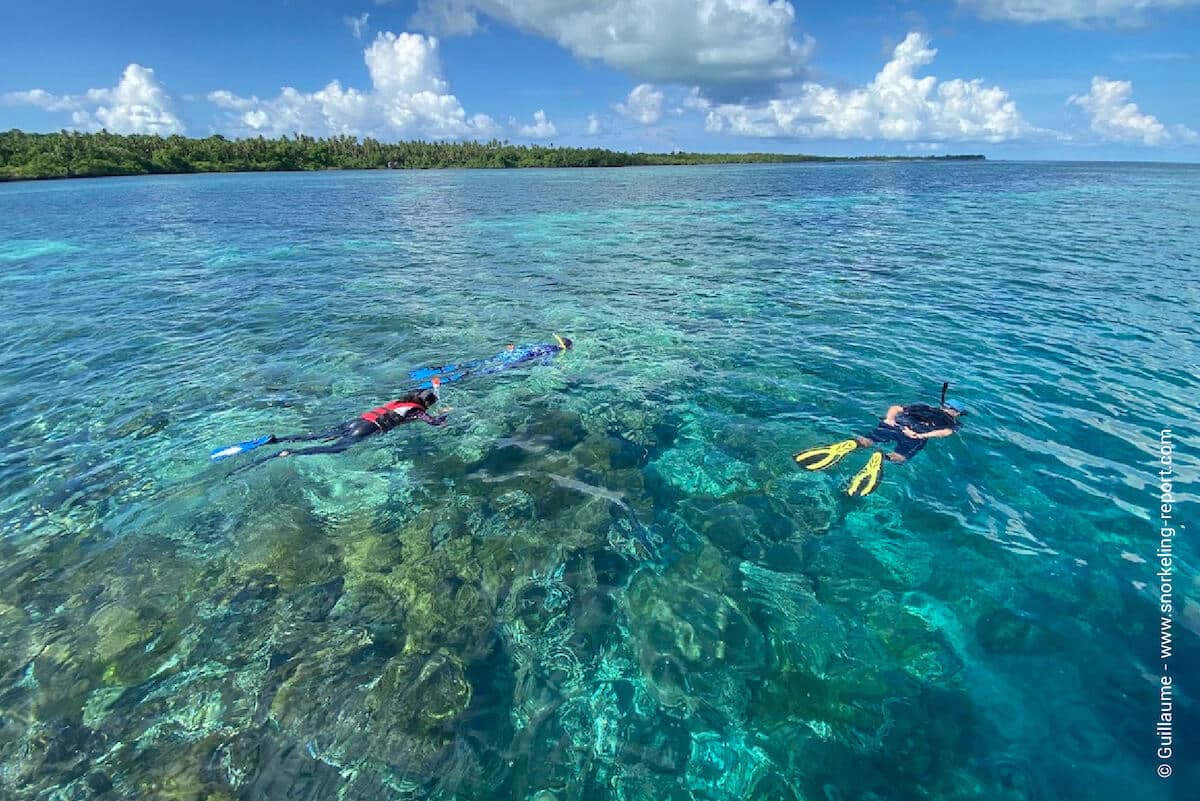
{"points": [[429, 372], [438, 380], [825, 456], [866, 480], [241, 447]]}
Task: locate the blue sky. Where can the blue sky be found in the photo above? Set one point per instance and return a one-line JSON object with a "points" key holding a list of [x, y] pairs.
{"points": [[1074, 79]]}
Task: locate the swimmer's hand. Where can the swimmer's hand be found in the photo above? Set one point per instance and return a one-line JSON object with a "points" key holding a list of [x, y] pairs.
{"points": [[908, 432]]}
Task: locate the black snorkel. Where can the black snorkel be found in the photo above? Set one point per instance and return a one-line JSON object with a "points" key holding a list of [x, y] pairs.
{"points": [[959, 409]]}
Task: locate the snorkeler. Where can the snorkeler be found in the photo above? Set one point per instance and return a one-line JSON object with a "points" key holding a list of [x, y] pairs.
{"points": [[910, 427], [512, 356], [412, 407]]}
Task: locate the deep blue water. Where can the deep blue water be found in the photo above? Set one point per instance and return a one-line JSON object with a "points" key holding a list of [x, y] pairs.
{"points": [[466, 612]]}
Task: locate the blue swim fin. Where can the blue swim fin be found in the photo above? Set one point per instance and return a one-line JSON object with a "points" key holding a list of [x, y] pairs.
{"points": [[430, 372], [446, 378], [233, 450]]}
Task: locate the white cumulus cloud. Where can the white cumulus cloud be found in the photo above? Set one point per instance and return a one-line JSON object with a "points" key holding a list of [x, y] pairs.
{"points": [[1078, 12], [408, 98], [357, 25], [644, 104], [542, 127], [895, 105], [42, 99], [728, 47], [1114, 118], [137, 104]]}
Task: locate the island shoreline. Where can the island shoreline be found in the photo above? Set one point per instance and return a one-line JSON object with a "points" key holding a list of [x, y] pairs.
{"points": [[69, 155]]}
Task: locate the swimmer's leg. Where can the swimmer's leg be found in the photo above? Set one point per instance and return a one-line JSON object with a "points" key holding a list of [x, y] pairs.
{"points": [[884, 432], [334, 433], [335, 447], [425, 373]]}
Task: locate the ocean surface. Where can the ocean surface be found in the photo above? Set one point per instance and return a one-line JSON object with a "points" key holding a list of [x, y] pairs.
{"points": [[605, 577]]}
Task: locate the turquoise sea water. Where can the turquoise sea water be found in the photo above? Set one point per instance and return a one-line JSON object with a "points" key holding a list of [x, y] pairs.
{"points": [[467, 612]]}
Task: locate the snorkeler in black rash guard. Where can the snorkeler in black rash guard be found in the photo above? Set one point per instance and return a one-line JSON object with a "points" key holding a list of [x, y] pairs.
{"points": [[910, 427], [408, 409]]}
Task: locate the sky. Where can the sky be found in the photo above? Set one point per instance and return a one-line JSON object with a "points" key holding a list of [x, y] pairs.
{"points": [[1014, 79]]}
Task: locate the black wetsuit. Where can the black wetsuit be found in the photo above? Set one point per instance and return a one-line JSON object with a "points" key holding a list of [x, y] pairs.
{"points": [[920, 418], [377, 421]]}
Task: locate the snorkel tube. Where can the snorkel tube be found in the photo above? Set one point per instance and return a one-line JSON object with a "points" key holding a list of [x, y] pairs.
{"points": [[959, 408]]}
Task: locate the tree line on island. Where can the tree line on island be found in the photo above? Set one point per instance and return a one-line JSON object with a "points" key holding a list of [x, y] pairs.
{"points": [[72, 154]]}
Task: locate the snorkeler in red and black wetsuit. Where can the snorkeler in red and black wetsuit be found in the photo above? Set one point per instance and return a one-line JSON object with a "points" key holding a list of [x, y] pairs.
{"points": [[412, 407]]}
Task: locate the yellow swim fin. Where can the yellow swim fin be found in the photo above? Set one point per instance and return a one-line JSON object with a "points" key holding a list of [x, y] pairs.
{"points": [[866, 480], [825, 456]]}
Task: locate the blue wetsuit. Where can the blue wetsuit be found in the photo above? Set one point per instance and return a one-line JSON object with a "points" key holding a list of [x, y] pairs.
{"points": [[920, 418], [518, 356]]}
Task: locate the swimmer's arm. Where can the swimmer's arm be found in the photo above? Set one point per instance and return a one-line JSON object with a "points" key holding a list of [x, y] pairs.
{"points": [[936, 434], [433, 421], [890, 417]]}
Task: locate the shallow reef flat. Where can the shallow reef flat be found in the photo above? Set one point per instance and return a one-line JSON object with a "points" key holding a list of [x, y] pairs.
{"points": [[605, 578]]}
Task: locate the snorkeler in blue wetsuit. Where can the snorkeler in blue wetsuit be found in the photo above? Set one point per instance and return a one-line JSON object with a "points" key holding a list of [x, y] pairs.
{"points": [[510, 357], [910, 427]]}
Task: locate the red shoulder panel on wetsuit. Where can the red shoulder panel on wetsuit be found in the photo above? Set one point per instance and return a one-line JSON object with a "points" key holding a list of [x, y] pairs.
{"points": [[380, 411]]}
